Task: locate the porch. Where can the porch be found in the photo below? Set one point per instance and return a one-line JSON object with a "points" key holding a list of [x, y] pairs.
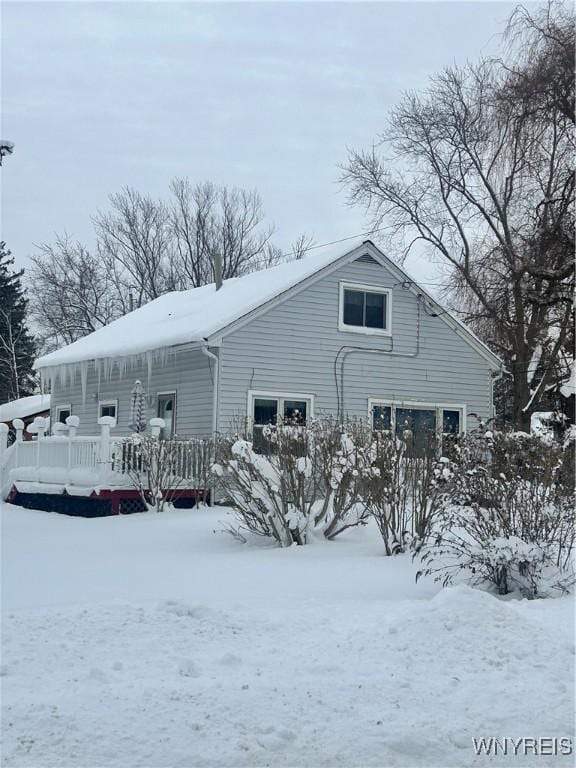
{"points": [[92, 475]]}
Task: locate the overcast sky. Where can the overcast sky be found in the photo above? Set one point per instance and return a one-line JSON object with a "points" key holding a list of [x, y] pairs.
{"points": [[266, 95]]}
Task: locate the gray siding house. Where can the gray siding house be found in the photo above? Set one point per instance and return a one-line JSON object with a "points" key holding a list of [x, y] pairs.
{"points": [[347, 333]]}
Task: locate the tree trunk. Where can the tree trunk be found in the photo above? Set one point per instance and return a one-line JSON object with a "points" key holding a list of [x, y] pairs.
{"points": [[521, 396]]}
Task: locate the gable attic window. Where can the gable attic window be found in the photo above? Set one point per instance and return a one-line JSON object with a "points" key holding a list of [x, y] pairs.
{"points": [[365, 309]]}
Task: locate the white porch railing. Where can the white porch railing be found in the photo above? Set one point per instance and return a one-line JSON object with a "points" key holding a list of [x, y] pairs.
{"points": [[66, 459]]}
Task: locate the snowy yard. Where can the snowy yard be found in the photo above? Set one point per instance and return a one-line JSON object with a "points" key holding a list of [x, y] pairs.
{"points": [[153, 641]]}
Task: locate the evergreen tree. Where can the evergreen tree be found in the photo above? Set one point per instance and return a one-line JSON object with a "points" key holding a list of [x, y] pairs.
{"points": [[17, 347]]}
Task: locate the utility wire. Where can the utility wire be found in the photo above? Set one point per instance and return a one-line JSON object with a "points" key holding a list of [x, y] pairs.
{"points": [[355, 237]]}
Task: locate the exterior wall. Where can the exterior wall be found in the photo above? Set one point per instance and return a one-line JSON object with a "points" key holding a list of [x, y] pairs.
{"points": [[292, 348], [187, 371]]}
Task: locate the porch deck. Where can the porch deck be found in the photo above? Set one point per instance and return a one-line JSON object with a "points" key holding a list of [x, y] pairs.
{"points": [[101, 467]]}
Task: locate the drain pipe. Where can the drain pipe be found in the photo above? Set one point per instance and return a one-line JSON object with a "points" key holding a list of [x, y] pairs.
{"points": [[216, 383], [206, 351]]}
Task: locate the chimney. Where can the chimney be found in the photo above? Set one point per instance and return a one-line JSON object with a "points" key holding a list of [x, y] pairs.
{"points": [[218, 270]]}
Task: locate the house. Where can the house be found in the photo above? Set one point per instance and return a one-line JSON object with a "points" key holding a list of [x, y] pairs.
{"points": [[26, 409], [345, 332]]}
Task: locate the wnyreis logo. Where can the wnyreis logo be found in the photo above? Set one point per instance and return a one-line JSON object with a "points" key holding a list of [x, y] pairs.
{"points": [[546, 746]]}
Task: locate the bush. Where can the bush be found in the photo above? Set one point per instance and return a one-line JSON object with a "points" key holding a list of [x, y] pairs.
{"points": [[329, 477], [160, 468], [402, 492], [505, 517], [307, 478]]}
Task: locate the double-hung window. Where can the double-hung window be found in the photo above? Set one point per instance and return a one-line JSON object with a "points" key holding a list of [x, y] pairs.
{"points": [[270, 409], [417, 423], [62, 413], [108, 408], [364, 309]]}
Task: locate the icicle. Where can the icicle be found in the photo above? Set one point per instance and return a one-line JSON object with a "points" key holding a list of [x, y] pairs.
{"points": [[84, 379], [149, 366]]}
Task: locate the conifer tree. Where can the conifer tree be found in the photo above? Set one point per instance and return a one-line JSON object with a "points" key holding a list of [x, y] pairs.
{"points": [[17, 347]]}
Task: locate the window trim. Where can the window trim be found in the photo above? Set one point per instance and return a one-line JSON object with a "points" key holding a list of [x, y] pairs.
{"points": [[362, 328], [419, 405], [108, 402], [253, 394], [62, 408], [174, 394]]}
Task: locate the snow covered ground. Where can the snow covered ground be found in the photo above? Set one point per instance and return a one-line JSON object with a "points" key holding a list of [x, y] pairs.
{"points": [[157, 641]]}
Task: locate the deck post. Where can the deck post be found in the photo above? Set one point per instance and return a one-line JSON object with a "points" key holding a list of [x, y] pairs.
{"points": [[72, 422], [105, 423], [156, 426], [40, 422], [3, 439], [39, 425], [18, 425], [58, 429], [32, 429]]}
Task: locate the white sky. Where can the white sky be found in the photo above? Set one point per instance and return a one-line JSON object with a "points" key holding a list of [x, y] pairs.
{"points": [[261, 95]]}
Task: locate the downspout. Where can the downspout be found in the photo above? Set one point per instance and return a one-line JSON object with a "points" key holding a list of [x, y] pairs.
{"points": [[215, 387], [206, 351]]}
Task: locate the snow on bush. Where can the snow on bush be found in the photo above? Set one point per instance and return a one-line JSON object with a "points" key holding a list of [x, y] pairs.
{"points": [[328, 477], [160, 468], [402, 492], [506, 517], [307, 478]]}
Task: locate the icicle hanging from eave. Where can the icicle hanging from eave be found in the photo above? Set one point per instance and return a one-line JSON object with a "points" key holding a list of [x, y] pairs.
{"points": [[84, 379], [149, 360], [67, 374]]}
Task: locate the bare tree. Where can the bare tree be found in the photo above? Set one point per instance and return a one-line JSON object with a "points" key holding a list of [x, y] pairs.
{"points": [[6, 148], [135, 242], [301, 246], [207, 220], [484, 180], [145, 248], [74, 294], [10, 343], [541, 65]]}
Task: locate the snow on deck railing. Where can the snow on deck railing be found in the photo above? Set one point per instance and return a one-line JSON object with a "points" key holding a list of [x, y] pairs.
{"points": [[67, 459]]}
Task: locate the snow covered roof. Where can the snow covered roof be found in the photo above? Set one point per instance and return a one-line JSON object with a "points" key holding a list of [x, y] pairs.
{"points": [[25, 406], [185, 316], [182, 317]]}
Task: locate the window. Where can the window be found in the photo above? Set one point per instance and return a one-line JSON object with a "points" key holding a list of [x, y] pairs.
{"points": [[167, 410], [381, 417], [450, 422], [364, 309], [108, 408], [417, 427], [62, 413], [417, 423], [266, 409]]}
